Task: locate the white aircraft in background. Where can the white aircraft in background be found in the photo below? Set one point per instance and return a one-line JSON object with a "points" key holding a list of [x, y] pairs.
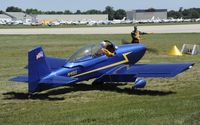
{"points": [[75, 22], [63, 22], [16, 22], [187, 20], [115, 21], [92, 23], [55, 23], [165, 20], [127, 21], [197, 20], [69, 22], [100, 22], [27, 22], [2, 22], [83, 22], [179, 19], [155, 20]]}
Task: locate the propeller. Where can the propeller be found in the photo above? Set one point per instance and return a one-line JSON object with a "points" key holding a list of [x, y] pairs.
{"points": [[152, 50]]}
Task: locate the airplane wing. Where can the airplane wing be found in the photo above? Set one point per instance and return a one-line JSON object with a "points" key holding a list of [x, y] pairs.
{"points": [[129, 72], [152, 70]]}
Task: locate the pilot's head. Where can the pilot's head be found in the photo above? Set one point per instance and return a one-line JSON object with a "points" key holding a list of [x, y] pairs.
{"points": [[103, 44]]}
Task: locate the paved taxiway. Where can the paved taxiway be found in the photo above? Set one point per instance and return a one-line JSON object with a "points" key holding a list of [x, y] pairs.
{"points": [[189, 28]]}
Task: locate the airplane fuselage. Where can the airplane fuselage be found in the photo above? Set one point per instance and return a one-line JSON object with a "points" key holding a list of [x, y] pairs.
{"points": [[94, 67]]}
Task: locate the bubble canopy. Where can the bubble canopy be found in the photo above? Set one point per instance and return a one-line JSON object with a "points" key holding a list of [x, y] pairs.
{"points": [[87, 52]]}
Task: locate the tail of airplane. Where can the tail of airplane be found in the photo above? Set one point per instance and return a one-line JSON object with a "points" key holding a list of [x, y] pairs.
{"points": [[37, 67], [153, 18], [124, 18]]}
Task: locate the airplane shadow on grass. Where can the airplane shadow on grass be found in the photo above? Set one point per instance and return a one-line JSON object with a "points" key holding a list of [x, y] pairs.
{"points": [[114, 87]]}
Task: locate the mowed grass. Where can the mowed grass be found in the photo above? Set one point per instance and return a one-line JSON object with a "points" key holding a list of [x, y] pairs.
{"points": [[162, 101]]}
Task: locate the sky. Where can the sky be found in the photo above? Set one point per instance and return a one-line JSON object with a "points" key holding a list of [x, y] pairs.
{"points": [[83, 5]]}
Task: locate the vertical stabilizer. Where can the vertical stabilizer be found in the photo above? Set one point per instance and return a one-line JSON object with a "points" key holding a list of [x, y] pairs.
{"points": [[37, 68]]}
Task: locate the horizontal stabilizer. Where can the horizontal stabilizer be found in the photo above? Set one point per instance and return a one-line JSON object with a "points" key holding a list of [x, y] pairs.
{"points": [[58, 80], [19, 79], [54, 63]]}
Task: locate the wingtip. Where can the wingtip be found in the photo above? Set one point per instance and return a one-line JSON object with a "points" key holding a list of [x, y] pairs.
{"points": [[191, 65]]}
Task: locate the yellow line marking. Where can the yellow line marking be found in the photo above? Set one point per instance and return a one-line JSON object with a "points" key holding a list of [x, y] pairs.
{"points": [[108, 66]]}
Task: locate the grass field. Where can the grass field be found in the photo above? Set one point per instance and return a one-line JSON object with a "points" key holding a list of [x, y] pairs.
{"points": [[161, 102], [78, 26]]}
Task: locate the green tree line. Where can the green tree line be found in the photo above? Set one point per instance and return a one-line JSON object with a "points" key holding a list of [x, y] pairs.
{"points": [[112, 13], [185, 13]]}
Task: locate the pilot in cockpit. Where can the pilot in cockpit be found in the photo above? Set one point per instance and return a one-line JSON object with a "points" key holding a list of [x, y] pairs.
{"points": [[107, 48]]}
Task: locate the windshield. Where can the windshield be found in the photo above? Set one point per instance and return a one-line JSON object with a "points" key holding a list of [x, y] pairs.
{"points": [[85, 53], [91, 51]]}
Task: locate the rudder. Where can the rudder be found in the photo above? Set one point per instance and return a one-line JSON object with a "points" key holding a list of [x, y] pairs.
{"points": [[38, 68]]}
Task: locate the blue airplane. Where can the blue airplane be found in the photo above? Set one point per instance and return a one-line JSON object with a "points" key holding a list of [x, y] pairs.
{"points": [[88, 63]]}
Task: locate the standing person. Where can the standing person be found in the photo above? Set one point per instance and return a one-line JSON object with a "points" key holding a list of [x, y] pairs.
{"points": [[135, 34]]}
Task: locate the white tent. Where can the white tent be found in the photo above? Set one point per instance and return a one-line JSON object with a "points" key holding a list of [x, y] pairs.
{"points": [[192, 49]]}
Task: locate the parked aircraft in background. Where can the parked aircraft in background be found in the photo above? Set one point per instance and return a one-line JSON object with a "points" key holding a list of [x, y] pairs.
{"points": [[27, 22], [90, 22], [116, 21], [197, 20], [55, 23], [2, 22]]}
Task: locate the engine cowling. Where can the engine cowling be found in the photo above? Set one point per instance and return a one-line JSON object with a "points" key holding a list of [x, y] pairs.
{"points": [[140, 83]]}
